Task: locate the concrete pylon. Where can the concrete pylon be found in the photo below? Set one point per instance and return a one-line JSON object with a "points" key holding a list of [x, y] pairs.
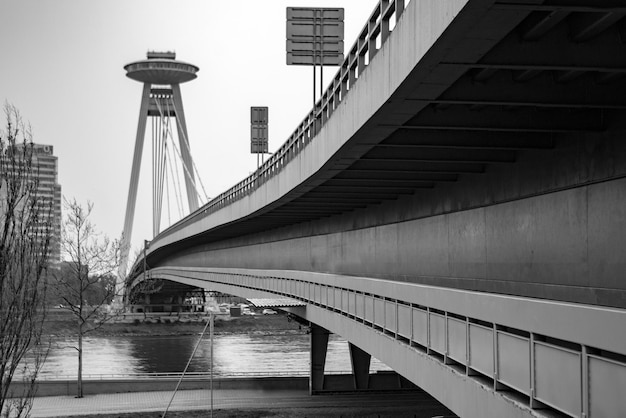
{"points": [[319, 347], [360, 366], [161, 75]]}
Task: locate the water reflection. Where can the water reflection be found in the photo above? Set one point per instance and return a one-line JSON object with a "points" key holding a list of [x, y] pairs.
{"points": [[234, 354]]}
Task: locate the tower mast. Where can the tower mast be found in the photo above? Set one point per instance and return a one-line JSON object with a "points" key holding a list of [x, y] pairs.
{"points": [[161, 75]]}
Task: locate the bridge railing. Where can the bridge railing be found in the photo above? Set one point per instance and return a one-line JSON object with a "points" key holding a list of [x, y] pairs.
{"points": [[381, 22], [572, 360]]}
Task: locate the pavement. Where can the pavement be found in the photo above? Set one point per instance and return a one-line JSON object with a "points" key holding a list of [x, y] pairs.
{"points": [[110, 403], [61, 406]]}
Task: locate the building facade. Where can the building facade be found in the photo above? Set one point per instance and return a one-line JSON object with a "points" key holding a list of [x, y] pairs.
{"points": [[46, 166], [44, 172]]}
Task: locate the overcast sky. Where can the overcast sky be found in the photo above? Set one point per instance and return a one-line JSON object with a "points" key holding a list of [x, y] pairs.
{"points": [[62, 67]]}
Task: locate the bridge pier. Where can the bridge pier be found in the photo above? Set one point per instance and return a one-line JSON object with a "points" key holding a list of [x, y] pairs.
{"points": [[360, 366], [319, 347]]}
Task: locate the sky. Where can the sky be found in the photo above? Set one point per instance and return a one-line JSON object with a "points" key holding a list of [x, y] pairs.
{"points": [[62, 67]]}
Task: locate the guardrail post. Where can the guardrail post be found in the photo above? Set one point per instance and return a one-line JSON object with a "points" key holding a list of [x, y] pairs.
{"points": [[496, 360], [427, 330], [399, 9], [585, 382], [371, 44], [533, 403], [384, 21], [467, 346]]}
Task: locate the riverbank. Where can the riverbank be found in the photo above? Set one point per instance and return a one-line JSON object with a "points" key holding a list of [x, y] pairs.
{"points": [[63, 324]]}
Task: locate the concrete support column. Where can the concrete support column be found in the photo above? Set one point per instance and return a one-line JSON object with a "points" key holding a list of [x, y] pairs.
{"points": [[319, 346], [360, 366], [132, 188]]}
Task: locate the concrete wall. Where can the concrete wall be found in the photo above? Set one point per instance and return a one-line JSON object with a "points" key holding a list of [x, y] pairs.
{"points": [[551, 225]]}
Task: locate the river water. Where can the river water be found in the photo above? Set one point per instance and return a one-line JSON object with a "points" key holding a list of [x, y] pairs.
{"points": [[268, 354]]}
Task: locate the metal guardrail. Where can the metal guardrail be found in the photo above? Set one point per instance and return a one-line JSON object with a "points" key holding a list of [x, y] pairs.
{"points": [[565, 373], [370, 39]]}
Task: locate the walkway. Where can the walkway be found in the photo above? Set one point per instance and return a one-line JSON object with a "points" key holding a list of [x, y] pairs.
{"points": [[55, 406]]}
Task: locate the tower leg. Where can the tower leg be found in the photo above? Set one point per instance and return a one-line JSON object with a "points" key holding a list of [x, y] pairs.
{"points": [[181, 126], [319, 346], [132, 189], [360, 366]]}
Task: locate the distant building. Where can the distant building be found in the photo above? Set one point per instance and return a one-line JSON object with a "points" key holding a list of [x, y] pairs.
{"points": [[46, 165], [45, 170]]}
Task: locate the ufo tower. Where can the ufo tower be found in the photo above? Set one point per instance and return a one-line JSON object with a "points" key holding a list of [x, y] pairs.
{"points": [[161, 101]]}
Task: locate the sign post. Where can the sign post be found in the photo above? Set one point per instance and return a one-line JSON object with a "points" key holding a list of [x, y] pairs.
{"points": [[259, 116], [315, 37]]}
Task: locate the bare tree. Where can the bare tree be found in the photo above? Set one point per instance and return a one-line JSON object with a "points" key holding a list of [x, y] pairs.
{"points": [[25, 234], [91, 260]]}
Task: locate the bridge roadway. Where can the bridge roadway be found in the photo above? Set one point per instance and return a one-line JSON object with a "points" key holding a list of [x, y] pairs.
{"points": [[455, 205]]}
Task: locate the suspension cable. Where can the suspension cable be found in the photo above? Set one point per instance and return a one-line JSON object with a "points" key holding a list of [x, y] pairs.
{"points": [[194, 168], [176, 184], [167, 199]]}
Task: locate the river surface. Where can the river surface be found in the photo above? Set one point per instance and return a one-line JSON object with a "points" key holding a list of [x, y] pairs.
{"points": [[234, 354]]}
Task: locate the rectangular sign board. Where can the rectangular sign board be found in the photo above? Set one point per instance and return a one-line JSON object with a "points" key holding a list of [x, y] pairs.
{"points": [[259, 117], [258, 148], [313, 33]]}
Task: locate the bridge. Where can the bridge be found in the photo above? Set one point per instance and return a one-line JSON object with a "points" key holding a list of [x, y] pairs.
{"points": [[454, 205]]}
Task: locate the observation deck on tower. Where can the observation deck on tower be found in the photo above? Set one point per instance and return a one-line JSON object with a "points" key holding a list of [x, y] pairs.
{"points": [[161, 68]]}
